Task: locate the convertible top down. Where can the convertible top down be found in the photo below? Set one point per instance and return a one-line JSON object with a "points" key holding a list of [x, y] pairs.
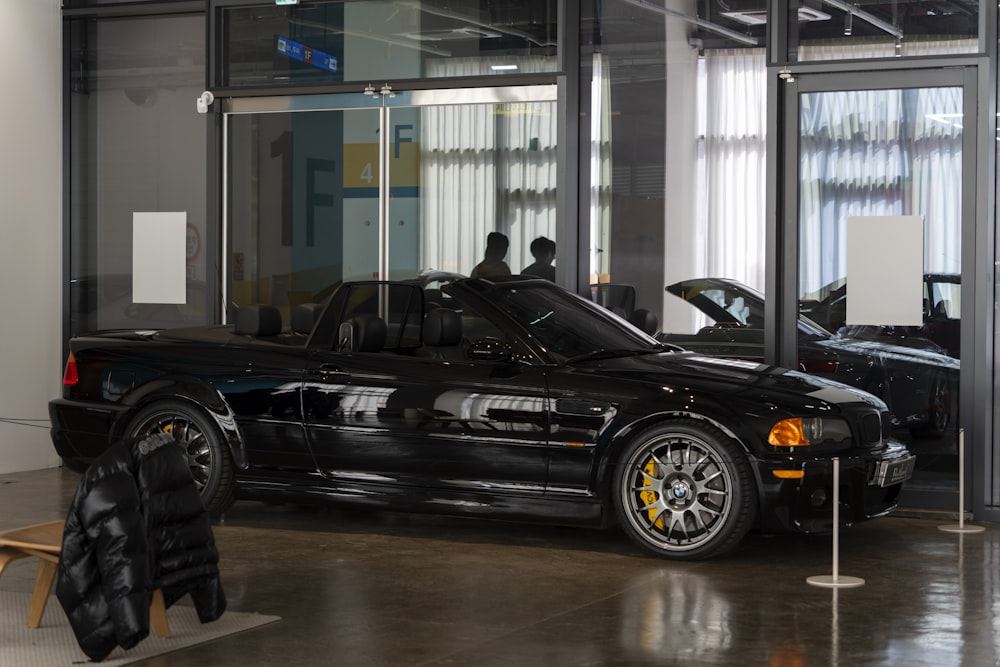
{"points": [[511, 399]]}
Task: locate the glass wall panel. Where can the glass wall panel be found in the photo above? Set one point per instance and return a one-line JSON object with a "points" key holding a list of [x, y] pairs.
{"points": [[302, 205], [307, 195], [473, 170], [844, 29], [674, 138], [867, 157], [137, 145], [330, 42]]}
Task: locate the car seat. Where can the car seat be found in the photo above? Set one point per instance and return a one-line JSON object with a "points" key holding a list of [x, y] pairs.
{"points": [[442, 335], [361, 333]]}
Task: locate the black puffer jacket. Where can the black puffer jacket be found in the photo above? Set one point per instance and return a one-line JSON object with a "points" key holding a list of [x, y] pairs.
{"points": [[136, 523]]}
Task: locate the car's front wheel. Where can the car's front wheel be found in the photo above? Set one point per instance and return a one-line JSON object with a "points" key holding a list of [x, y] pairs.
{"points": [[209, 461], [684, 490]]}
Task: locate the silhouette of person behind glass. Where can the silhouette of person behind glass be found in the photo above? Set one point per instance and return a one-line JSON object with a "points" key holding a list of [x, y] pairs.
{"points": [[544, 252], [493, 265]]}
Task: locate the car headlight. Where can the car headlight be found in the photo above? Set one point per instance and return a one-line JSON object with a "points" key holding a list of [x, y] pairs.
{"points": [[818, 433]]}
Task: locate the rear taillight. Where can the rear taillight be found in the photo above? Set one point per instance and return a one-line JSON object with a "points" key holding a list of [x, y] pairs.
{"points": [[70, 376]]}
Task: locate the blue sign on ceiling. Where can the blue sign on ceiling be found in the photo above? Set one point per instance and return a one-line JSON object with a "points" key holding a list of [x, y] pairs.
{"points": [[307, 54]]}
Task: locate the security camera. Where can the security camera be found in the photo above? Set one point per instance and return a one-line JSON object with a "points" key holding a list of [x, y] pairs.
{"points": [[204, 101]]}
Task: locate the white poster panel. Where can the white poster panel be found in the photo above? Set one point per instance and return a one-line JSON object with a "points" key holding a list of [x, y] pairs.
{"points": [[885, 266], [159, 257]]}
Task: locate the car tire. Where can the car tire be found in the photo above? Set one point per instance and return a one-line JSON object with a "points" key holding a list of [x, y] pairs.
{"points": [[938, 414], [209, 460], [684, 490]]}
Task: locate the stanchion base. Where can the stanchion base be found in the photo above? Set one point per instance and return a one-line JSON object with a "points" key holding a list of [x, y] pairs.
{"points": [[827, 581], [962, 529]]}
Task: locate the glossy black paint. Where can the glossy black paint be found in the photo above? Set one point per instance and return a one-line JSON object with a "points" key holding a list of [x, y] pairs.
{"points": [[915, 377], [941, 328], [533, 432]]}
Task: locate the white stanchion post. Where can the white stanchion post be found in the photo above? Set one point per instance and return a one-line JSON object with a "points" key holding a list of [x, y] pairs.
{"points": [[835, 581], [961, 527]]}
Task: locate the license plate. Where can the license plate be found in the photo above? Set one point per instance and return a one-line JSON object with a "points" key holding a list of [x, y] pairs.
{"points": [[892, 472]]}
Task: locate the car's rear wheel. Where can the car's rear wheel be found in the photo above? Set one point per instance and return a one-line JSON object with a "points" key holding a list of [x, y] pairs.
{"points": [[209, 461], [684, 490], [938, 414]]}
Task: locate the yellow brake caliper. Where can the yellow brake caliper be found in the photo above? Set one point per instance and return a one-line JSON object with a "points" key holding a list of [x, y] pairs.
{"points": [[649, 497]]}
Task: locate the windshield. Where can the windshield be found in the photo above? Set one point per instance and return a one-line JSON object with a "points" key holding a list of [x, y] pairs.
{"points": [[566, 325]]}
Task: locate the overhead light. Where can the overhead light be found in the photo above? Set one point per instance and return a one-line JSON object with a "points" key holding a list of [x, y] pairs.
{"points": [[449, 34], [502, 68], [759, 16], [867, 17]]}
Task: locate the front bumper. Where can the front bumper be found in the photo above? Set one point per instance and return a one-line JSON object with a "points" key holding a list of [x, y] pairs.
{"points": [[870, 484]]}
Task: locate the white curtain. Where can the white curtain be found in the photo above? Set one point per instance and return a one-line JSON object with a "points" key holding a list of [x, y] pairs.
{"points": [[600, 170], [878, 152], [484, 168], [895, 152], [732, 202]]}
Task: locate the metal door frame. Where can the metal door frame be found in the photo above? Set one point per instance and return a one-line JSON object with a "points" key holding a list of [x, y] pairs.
{"points": [[975, 384]]}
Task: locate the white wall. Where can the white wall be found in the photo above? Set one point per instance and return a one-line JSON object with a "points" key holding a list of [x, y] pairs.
{"points": [[681, 248], [30, 229]]}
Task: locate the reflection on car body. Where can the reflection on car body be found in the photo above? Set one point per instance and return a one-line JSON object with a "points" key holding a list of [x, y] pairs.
{"points": [[548, 408], [919, 382], [942, 316]]}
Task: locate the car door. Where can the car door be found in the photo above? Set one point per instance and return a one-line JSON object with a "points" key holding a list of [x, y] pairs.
{"points": [[391, 417]]}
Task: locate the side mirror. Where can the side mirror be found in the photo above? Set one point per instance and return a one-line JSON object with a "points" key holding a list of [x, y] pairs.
{"points": [[489, 349]]}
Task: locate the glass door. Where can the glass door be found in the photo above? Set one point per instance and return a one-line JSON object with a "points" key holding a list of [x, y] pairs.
{"points": [[880, 210], [301, 198], [405, 185], [466, 167]]}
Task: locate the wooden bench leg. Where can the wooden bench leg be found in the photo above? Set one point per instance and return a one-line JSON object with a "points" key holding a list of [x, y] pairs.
{"points": [[44, 579], [9, 555], [158, 615]]}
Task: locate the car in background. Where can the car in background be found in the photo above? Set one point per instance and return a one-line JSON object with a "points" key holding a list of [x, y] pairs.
{"points": [[918, 380], [942, 316], [509, 399]]}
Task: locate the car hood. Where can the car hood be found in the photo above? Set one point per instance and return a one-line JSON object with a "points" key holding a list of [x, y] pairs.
{"points": [[693, 371]]}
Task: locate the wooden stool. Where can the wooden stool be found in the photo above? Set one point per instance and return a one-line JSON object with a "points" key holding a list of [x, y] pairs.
{"points": [[44, 541]]}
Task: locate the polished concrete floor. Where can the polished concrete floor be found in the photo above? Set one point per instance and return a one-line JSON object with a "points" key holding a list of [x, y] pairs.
{"points": [[375, 588]]}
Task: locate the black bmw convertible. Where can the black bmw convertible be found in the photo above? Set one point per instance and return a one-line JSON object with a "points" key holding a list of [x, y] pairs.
{"points": [[511, 399]]}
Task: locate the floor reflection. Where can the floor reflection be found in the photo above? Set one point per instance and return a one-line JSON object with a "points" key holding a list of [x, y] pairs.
{"points": [[360, 588]]}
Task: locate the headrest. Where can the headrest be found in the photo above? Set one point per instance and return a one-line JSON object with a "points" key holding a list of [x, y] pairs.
{"points": [[645, 320], [442, 326], [304, 317], [362, 333], [258, 320]]}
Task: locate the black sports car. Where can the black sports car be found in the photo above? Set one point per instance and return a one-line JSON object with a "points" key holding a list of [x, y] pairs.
{"points": [[513, 399], [940, 331], [916, 378]]}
